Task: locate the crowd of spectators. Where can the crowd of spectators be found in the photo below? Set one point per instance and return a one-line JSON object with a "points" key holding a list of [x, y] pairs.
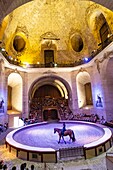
{"points": [[37, 106], [3, 127], [84, 117], [23, 166]]}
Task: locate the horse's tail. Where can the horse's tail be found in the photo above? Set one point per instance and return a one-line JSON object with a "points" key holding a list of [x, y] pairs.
{"points": [[73, 137]]}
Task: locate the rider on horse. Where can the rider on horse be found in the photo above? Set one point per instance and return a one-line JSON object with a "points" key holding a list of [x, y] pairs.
{"points": [[65, 132], [63, 129]]}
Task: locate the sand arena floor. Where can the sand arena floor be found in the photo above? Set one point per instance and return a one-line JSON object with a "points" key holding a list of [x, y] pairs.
{"points": [[96, 163], [43, 135]]}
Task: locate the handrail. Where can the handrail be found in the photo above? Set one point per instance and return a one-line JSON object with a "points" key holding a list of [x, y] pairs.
{"points": [[74, 64]]}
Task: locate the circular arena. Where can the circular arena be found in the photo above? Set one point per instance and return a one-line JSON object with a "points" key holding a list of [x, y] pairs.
{"points": [[38, 142]]}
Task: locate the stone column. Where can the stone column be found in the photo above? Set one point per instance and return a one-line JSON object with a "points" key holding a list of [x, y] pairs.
{"points": [[1, 78], [107, 84], [3, 92], [25, 96], [74, 93]]}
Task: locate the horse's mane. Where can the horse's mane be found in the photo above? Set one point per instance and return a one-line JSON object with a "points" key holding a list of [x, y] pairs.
{"points": [[61, 129], [57, 129]]}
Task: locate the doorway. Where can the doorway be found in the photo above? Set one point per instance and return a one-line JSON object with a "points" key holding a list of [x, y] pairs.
{"points": [[49, 58], [50, 114]]}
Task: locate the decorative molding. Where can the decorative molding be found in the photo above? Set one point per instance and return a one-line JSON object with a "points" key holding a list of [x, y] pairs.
{"points": [[98, 66], [49, 36], [82, 70], [12, 71], [22, 29], [49, 72], [105, 56], [48, 43], [1, 66]]}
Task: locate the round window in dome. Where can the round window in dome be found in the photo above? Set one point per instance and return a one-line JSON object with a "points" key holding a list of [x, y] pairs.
{"points": [[77, 42], [19, 43]]}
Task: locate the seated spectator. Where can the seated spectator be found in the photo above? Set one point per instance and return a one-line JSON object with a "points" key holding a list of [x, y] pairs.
{"points": [[6, 126], [5, 167], [32, 167], [1, 164], [1, 128], [102, 121], [23, 166], [14, 168]]}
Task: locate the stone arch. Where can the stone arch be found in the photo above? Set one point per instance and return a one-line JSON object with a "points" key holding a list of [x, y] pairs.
{"points": [[51, 79], [96, 19], [107, 84], [84, 91], [47, 104]]}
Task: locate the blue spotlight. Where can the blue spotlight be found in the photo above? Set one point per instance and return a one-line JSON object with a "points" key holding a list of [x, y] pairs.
{"points": [[86, 59]]}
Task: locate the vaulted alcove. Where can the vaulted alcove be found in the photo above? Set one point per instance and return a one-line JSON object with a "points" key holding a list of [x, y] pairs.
{"points": [[84, 90]]}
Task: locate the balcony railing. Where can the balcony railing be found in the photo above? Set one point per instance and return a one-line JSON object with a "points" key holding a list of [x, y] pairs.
{"points": [[49, 65]]}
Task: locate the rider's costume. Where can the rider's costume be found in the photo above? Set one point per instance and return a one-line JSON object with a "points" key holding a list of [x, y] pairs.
{"points": [[63, 129]]}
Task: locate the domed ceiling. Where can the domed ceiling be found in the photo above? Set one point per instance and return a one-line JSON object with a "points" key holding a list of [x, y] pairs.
{"points": [[70, 28]]}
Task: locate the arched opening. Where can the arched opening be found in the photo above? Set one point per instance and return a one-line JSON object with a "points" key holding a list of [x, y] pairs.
{"points": [[48, 99], [15, 91], [100, 28], [14, 99], [104, 34], [84, 91]]}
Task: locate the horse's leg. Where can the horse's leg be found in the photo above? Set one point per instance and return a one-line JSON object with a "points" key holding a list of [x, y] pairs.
{"points": [[63, 139], [70, 137], [59, 138]]}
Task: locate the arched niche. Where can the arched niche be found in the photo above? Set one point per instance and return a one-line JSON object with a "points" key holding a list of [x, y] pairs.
{"points": [[15, 92], [84, 91]]}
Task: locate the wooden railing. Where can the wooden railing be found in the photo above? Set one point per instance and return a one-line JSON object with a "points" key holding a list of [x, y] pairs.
{"points": [[71, 152]]}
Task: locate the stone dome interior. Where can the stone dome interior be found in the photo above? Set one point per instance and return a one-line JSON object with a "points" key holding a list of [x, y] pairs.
{"points": [[58, 31]]}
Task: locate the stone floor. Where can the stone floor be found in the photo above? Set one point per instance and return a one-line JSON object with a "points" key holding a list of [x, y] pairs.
{"points": [[97, 163]]}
